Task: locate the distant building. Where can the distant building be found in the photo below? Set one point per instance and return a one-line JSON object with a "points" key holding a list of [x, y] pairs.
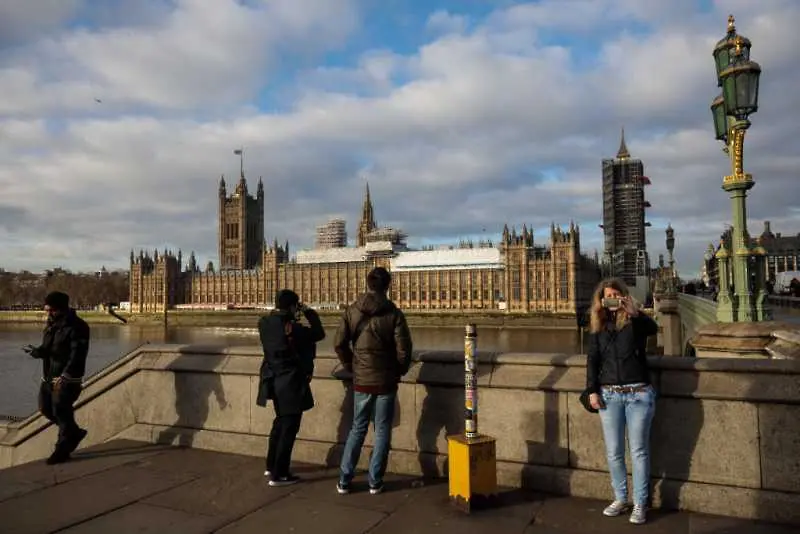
{"points": [[332, 234], [783, 251], [517, 276], [624, 223]]}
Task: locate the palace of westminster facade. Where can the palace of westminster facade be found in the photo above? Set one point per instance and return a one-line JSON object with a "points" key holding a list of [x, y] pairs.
{"points": [[517, 275]]}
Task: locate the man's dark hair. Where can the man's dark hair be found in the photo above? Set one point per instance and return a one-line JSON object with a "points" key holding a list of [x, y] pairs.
{"points": [[379, 280], [57, 300], [285, 299]]}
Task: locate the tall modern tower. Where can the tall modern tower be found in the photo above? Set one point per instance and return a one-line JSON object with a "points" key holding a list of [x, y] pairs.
{"points": [[624, 215], [241, 226]]}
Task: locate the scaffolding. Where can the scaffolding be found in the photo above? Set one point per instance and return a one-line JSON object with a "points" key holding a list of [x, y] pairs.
{"points": [[332, 234], [624, 225]]}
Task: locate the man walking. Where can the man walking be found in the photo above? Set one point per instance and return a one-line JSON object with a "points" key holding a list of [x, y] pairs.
{"points": [[63, 351], [374, 343], [289, 352]]}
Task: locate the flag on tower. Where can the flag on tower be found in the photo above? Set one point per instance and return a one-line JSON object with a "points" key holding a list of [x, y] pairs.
{"points": [[238, 151]]}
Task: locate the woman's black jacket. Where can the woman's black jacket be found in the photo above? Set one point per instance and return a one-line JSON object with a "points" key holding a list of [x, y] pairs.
{"points": [[618, 357]]}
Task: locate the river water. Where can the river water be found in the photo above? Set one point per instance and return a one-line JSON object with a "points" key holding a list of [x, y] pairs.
{"points": [[20, 374]]}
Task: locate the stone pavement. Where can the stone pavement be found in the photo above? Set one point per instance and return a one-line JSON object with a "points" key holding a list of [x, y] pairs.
{"points": [[124, 487]]}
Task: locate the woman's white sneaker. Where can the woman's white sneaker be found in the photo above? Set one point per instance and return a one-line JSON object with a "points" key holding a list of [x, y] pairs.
{"points": [[638, 515], [616, 508]]}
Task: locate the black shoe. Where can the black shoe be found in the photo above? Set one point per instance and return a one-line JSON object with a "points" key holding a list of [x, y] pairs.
{"points": [[342, 488], [375, 489], [58, 457], [73, 443], [288, 480]]}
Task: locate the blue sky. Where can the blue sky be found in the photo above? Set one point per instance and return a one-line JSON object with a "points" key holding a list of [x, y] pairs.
{"points": [[462, 115]]}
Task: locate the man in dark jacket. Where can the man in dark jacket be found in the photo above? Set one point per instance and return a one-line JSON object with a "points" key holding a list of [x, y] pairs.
{"points": [[63, 351], [289, 351], [374, 342]]}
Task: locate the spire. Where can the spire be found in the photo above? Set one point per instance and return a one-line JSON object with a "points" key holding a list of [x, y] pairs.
{"points": [[260, 190], [222, 191], [623, 153], [367, 223]]}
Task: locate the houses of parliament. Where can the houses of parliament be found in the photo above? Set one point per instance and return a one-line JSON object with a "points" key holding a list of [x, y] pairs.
{"points": [[516, 275]]}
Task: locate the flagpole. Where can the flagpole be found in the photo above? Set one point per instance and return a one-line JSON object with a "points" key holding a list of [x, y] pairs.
{"points": [[240, 152]]}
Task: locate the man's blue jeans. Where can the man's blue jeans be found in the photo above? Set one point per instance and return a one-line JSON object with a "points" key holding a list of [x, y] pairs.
{"points": [[634, 410], [380, 410]]}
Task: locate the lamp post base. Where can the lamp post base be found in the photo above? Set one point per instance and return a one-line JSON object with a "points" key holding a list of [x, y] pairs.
{"points": [[472, 471]]}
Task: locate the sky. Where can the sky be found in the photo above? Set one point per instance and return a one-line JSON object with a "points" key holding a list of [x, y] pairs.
{"points": [[118, 119]]}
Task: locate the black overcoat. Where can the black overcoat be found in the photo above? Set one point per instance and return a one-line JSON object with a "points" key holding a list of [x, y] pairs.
{"points": [[289, 351]]}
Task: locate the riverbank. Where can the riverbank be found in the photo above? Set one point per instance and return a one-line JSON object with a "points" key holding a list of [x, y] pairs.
{"points": [[249, 318]]}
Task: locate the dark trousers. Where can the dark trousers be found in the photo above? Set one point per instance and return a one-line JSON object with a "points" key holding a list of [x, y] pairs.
{"points": [[281, 442], [57, 407]]}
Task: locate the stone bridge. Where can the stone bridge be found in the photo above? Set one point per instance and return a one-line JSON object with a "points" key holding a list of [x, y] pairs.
{"points": [[689, 324], [724, 440]]}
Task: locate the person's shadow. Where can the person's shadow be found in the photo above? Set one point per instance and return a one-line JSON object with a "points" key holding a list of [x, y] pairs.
{"points": [[443, 407], [550, 448], [195, 379], [672, 447]]}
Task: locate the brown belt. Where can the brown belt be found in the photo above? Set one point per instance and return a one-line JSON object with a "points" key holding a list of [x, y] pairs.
{"points": [[627, 389]]}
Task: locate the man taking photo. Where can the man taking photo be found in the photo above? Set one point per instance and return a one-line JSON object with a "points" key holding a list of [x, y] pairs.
{"points": [[63, 352], [289, 351], [374, 342]]}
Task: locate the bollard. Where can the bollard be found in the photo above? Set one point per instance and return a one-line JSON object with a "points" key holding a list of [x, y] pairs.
{"points": [[472, 460], [470, 383]]}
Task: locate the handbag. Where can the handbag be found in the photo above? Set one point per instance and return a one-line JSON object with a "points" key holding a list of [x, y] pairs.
{"points": [[584, 398]]}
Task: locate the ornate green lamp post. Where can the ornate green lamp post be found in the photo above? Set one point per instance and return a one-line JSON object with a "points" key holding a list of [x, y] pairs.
{"points": [[738, 77]]}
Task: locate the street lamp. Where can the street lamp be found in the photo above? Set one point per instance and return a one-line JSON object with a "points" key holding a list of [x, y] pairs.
{"points": [[738, 77], [672, 286]]}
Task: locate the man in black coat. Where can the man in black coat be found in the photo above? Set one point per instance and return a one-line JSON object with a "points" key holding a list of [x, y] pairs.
{"points": [[63, 351], [289, 351]]}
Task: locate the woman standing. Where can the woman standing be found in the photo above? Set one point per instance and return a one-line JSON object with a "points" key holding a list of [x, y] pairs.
{"points": [[618, 382]]}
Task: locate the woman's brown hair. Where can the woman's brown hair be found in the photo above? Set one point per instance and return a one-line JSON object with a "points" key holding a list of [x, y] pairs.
{"points": [[598, 315]]}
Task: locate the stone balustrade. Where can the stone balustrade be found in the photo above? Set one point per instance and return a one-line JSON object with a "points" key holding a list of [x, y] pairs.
{"points": [[724, 439]]}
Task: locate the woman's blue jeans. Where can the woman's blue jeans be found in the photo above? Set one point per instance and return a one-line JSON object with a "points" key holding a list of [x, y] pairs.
{"points": [[635, 411]]}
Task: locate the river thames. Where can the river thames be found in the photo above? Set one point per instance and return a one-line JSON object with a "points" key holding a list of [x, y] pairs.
{"points": [[20, 374]]}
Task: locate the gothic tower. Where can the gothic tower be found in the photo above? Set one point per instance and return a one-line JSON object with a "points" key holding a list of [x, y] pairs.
{"points": [[241, 226], [367, 223]]}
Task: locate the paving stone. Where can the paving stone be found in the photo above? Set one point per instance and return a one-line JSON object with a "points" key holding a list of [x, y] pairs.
{"points": [[123, 487], [710, 524], [67, 504], [432, 512], [21, 479], [297, 515], [144, 519], [398, 491], [192, 461], [574, 515], [232, 493]]}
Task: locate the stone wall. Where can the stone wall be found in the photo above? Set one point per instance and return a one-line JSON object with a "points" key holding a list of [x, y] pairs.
{"points": [[724, 440]]}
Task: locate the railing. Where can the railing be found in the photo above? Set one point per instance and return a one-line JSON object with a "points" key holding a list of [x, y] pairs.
{"points": [[784, 302], [702, 310]]}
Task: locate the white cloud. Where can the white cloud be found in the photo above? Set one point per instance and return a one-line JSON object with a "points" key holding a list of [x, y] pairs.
{"points": [[464, 133]]}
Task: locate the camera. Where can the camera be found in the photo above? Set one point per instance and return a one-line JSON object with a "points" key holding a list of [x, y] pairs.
{"points": [[612, 303]]}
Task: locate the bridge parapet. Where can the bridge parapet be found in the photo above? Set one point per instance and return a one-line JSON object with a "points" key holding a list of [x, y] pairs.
{"points": [[740, 462]]}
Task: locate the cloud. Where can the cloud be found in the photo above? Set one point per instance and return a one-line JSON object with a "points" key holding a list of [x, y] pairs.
{"points": [[465, 122]]}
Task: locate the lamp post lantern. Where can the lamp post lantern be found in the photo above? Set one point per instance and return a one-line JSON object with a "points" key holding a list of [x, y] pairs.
{"points": [[738, 77]]}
